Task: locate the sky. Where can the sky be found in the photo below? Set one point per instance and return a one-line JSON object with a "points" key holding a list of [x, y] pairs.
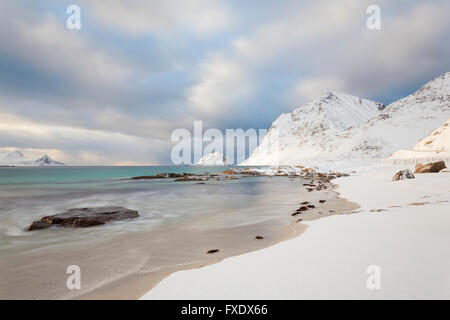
{"points": [[112, 92]]}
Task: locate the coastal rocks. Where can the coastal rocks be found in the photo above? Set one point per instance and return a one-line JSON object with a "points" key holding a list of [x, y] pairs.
{"points": [[180, 177], [403, 175], [38, 225], [160, 176], [192, 178], [229, 171], [300, 210], [431, 167], [84, 217]]}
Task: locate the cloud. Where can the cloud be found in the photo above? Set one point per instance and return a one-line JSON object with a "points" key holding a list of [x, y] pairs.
{"points": [[221, 84], [113, 91], [78, 146], [313, 88], [142, 17]]}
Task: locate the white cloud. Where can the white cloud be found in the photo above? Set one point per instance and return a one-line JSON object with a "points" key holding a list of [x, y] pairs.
{"points": [[163, 17], [51, 48], [85, 146], [221, 84], [313, 88]]}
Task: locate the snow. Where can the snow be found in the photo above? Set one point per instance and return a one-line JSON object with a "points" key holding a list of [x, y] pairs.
{"points": [[330, 260], [306, 131], [213, 159], [340, 126], [402, 124], [16, 158], [435, 146], [438, 140]]}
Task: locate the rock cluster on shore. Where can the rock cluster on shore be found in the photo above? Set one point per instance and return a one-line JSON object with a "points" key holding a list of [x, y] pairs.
{"points": [[431, 167], [287, 171], [318, 179]]}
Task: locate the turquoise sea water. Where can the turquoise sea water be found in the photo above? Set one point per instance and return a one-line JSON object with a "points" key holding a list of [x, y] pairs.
{"points": [[27, 194], [178, 223]]}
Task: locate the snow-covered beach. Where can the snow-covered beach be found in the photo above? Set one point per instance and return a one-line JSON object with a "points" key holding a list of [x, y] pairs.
{"points": [[402, 228]]}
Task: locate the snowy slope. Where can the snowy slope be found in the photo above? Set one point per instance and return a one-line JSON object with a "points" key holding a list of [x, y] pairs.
{"points": [[213, 159], [308, 131], [16, 158], [438, 140], [340, 126], [434, 146], [401, 124]]}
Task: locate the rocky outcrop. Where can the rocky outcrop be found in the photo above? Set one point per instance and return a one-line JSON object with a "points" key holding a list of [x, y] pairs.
{"points": [[160, 176], [430, 167], [84, 217], [403, 175]]}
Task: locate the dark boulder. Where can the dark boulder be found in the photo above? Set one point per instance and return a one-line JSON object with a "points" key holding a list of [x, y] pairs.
{"points": [[84, 217], [431, 167]]}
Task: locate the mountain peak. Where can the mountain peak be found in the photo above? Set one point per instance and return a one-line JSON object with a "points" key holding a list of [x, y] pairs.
{"points": [[213, 159], [47, 161], [341, 126], [16, 158]]}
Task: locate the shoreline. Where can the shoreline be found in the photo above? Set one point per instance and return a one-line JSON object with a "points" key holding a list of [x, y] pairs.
{"points": [[135, 285], [126, 265], [332, 256]]}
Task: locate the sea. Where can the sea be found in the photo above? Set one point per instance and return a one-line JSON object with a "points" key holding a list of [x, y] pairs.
{"points": [[211, 214]]}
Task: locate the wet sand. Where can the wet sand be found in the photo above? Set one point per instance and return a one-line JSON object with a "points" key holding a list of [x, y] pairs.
{"points": [[128, 266], [231, 243]]}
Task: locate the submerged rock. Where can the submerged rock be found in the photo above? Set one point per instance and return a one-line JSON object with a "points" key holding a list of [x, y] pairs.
{"points": [[430, 167], [160, 176], [192, 178], [403, 175], [84, 217]]}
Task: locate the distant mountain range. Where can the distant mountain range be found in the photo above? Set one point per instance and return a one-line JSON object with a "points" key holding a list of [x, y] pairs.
{"points": [[340, 126], [16, 158]]}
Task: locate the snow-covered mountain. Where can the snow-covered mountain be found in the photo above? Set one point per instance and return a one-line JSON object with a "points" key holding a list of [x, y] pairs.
{"points": [[436, 145], [401, 124], [340, 126], [310, 131], [213, 159], [16, 158]]}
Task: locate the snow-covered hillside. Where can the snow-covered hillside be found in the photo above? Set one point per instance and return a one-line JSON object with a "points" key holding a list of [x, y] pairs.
{"points": [[213, 159], [340, 126], [309, 131], [401, 125], [438, 140], [16, 158], [434, 146]]}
